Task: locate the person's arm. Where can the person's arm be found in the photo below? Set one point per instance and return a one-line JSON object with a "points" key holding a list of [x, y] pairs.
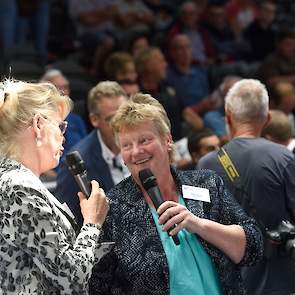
{"points": [[192, 118], [230, 239], [35, 227]]}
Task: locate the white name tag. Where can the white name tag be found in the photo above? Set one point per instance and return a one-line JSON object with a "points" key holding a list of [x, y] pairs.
{"points": [[195, 193]]}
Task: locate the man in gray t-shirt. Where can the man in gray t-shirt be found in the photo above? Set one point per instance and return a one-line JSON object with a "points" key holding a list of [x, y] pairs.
{"points": [[266, 183]]}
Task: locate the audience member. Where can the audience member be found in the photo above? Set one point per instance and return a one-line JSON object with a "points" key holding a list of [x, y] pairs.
{"points": [[215, 119], [280, 65], [133, 16], [76, 129], [215, 237], [188, 23], [120, 66], [260, 174], [241, 13], [221, 34], [260, 34], [151, 67], [200, 143], [98, 149], [42, 251], [279, 130], [95, 24], [138, 42], [191, 82], [282, 97]]}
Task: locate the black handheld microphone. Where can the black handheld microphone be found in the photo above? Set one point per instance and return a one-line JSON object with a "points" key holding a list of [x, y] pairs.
{"points": [[149, 182], [76, 165]]}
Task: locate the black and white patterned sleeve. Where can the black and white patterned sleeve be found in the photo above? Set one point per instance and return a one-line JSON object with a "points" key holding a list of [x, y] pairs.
{"points": [[29, 222]]}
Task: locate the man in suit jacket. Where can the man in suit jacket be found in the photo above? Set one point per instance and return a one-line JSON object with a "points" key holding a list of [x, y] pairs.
{"points": [[98, 149]]}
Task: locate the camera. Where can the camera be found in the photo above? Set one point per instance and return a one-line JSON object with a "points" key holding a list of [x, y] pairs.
{"points": [[281, 241]]}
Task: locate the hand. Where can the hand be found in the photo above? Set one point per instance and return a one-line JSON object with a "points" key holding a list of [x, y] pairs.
{"points": [[173, 213], [95, 209]]}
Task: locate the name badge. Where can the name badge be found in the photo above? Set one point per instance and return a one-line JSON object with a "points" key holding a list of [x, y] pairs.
{"points": [[195, 193]]}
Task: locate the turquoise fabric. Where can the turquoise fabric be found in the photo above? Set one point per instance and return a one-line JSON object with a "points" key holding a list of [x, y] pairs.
{"points": [[191, 270]]}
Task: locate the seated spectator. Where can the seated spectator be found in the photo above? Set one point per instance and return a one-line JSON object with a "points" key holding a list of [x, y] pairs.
{"points": [[191, 83], [279, 130], [280, 65], [137, 42], [282, 97], [260, 34], [98, 149], [76, 129], [133, 16], [221, 34], [188, 23], [241, 13], [199, 143], [120, 66], [215, 119], [95, 25], [151, 67]]}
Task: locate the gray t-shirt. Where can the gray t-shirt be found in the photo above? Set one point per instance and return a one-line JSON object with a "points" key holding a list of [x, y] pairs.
{"points": [[267, 176]]}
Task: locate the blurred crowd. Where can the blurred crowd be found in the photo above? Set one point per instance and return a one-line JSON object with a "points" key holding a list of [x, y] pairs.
{"points": [[186, 54]]}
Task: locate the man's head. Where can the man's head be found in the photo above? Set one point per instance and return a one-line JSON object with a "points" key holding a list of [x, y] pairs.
{"points": [[103, 101], [247, 104], [282, 96], [279, 128], [181, 50], [285, 43], [120, 66], [267, 12], [56, 77], [151, 63], [201, 143], [189, 14]]}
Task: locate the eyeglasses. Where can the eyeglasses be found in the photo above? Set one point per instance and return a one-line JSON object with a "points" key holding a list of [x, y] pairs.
{"points": [[61, 125]]}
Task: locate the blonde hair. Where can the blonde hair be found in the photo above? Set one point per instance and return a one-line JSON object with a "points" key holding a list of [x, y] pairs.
{"points": [[103, 89], [142, 108], [19, 102]]}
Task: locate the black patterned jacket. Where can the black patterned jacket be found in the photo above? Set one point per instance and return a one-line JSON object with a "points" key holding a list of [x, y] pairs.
{"points": [[138, 264]]}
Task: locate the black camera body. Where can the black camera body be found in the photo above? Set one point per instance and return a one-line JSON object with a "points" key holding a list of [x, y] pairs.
{"points": [[281, 241]]}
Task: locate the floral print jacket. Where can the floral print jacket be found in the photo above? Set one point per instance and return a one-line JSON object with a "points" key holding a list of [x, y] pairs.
{"points": [[39, 250]]}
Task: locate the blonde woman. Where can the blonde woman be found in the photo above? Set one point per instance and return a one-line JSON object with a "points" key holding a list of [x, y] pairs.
{"points": [[40, 253], [215, 234]]}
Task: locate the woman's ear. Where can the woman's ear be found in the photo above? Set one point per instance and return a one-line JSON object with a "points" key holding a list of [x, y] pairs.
{"points": [[169, 142], [37, 126]]}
